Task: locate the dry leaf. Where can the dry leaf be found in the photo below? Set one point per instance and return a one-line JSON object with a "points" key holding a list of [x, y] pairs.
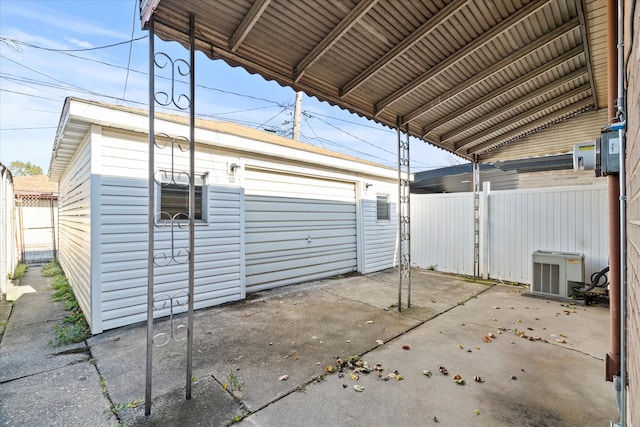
{"points": [[369, 322], [354, 376], [329, 368], [406, 347], [379, 342], [284, 377], [358, 388], [561, 340]]}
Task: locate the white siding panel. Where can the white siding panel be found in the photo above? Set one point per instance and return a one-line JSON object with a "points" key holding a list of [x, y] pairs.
{"points": [[298, 228], [380, 236], [218, 252], [442, 232], [74, 222]]}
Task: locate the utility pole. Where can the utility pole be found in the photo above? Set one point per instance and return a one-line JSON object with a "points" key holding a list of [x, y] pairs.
{"points": [[297, 112]]}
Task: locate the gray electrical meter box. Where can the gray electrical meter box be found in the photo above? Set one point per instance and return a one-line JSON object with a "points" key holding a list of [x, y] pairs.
{"points": [[609, 152]]}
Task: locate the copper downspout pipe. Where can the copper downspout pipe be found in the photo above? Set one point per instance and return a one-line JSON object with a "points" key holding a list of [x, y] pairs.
{"points": [[612, 361]]}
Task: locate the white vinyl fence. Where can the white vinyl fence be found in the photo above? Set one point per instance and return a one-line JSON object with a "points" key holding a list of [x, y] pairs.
{"points": [[8, 253], [513, 224]]}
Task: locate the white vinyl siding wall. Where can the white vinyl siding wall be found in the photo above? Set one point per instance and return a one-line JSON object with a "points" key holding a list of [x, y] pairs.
{"points": [[380, 236], [123, 233], [517, 223], [74, 222]]}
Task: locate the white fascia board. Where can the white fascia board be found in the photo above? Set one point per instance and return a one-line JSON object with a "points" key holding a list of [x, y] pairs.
{"points": [[139, 123]]}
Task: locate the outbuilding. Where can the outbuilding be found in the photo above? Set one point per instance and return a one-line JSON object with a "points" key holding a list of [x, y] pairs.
{"points": [[270, 211]]}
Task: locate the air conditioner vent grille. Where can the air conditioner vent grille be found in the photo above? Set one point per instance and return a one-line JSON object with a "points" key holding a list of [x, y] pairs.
{"points": [[546, 278]]}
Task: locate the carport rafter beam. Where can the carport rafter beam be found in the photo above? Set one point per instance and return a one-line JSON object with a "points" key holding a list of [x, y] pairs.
{"points": [[585, 42], [250, 19], [461, 54], [499, 66], [423, 31], [506, 88], [513, 104], [522, 116], [351, 19], [531, 126]]}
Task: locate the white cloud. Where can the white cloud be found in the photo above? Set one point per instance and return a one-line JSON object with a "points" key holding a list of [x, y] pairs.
{"points": [[81, 44]]}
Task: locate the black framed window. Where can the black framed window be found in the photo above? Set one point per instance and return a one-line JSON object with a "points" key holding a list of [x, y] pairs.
{"points": [[174, 196]]}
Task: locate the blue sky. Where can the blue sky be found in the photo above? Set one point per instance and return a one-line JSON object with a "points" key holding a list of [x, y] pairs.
{"points": [[50, 50]]}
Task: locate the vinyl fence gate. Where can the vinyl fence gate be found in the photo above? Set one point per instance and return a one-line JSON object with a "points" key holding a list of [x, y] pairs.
{"points": [[36, 227]]}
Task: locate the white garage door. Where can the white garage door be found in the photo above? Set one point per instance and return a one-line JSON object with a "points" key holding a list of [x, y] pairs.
{"points": [[297, 228]]}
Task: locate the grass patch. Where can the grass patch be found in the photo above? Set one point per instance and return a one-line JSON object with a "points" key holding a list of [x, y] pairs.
{"points": [[75, 327], [19, 271]]}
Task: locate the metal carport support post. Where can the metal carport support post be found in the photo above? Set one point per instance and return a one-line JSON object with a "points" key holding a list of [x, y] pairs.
{"points": [[404, 224], [173, 223]]}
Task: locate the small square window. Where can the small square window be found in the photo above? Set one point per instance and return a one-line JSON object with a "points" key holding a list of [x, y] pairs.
{"points": [[174, 196], [382, 207]]}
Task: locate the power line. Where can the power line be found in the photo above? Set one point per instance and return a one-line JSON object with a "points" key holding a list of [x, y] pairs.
{"points": [[133, 29], [17, 43]]}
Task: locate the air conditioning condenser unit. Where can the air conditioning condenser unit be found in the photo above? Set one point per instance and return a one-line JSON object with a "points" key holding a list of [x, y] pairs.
{"points": [[557, 273]]}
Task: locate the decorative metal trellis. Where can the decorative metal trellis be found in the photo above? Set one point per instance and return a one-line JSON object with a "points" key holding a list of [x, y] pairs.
{"points": [[177, 147], [404, 223], [476, 219]]}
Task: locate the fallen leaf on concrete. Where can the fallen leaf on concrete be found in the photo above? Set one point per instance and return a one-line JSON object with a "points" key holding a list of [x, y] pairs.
{"points": [[457, 378], [477, 412], [358, 388], [354, 376], [561, 340], [284, 377], [406, 347], [460, 346], [369, 322], [478, 379], [329, 368], [379, 342], [395, 376], [486, 338], [427, 373]]}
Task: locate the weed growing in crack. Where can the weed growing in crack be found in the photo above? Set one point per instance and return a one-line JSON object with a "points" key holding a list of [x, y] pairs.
{"points": [[75, 328]]}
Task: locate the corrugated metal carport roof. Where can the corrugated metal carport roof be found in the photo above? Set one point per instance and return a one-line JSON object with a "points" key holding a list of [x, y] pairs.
{"points": [[468, 76]]}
